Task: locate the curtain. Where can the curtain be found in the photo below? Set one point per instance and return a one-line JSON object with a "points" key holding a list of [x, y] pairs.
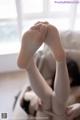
{"points": [[18, 15], [63, 13]]}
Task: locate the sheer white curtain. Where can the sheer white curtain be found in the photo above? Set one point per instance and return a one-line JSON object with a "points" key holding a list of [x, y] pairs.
{"points": [[18, 15], [62, 13]]}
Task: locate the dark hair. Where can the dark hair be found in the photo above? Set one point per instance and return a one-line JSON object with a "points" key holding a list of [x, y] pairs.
{"points": [[74, 73], [53, 78], [25, 105]]}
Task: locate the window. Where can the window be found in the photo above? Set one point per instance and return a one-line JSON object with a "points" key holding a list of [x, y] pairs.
{"points": [[32, 6], [7, 9], [8, 26], [17, 15], [78, 10]]}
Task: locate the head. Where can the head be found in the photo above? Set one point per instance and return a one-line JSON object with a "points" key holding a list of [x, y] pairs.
{"points": [[74, 73]]}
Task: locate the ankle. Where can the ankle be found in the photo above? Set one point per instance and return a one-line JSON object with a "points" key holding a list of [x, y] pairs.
{"points": [[21, 63], [59, 55]]}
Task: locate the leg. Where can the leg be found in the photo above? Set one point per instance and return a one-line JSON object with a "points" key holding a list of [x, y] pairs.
{"points": [[61, 85], [61, 90]]}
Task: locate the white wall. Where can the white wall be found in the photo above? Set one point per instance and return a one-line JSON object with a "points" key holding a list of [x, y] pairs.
{"points": [[8, 62]]}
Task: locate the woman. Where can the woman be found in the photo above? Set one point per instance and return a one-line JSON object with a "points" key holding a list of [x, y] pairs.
{"points": [[31, 103], [53, 101]]}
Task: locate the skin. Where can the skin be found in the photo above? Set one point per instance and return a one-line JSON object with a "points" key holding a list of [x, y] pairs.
{"points": [[42, 31], [31, 41], [73, 111], [28, 48]]}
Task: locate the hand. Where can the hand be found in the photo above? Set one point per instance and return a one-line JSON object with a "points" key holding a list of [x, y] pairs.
{"points": [[73, 111]]}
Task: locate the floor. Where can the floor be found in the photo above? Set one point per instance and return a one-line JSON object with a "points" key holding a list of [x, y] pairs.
{"points": [[10, 84]]}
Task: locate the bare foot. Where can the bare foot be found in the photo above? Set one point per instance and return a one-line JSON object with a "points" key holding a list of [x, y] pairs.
{"points": [[31, 41], [53, 41]]}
